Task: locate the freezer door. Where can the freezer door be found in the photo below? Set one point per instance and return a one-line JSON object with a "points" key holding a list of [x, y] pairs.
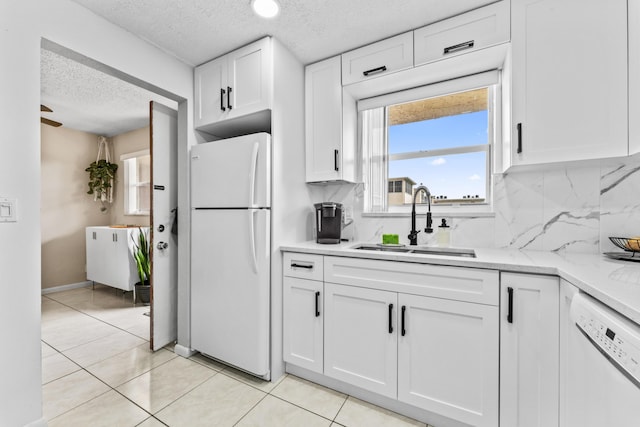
{"points": [[230, 287], [232, 173]]}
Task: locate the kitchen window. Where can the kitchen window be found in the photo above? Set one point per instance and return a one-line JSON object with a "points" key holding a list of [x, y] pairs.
{"points": [[440, 135], [137, 183]]}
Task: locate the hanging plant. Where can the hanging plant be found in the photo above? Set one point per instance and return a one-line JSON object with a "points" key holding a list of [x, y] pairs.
{"points": [[102, 174], [101, 177]]}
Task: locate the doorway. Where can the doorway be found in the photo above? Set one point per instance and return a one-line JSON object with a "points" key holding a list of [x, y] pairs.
{"points": [[76, 295]]}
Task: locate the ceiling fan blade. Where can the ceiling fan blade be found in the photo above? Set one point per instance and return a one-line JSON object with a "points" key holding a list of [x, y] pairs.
{"points": [[50, 122], [45, 109]]}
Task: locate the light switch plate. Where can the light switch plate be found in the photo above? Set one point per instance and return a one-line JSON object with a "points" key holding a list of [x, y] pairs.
{"points": [[8, 210]]}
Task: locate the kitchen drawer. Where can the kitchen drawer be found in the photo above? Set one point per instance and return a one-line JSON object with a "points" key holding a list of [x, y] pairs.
{"points": [[473, 30], [304, 266], [456, 283], [383, 57]]}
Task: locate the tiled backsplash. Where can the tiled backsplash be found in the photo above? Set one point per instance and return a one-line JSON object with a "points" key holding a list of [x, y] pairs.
{"points": [[574, 208]]}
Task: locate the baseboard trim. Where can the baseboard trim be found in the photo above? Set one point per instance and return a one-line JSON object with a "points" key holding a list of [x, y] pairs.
{"points": [[66, 287], [183, 351], [38, 423]]}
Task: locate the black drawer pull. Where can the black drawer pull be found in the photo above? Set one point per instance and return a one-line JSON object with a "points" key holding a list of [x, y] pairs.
{"points": [[375, 70], [459, 47], [222, 92], [390, 318], [308, 267], [402, 329], [317, 303], [510, 312], [335, 160], [519, 127], [229, 97]]}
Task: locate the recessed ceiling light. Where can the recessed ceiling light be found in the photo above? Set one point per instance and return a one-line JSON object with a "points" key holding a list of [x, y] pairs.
{"points": [[265, 8]]}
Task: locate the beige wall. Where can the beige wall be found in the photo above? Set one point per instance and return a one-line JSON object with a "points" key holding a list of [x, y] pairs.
{"points": [[66, 208], [125, 143]]}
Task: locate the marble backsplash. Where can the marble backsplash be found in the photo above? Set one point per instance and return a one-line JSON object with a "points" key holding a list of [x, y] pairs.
{"points": [[573, 208]]}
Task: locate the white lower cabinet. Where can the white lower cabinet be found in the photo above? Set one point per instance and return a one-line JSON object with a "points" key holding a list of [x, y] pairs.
{"points": [[360, 337], [303, 323], [303, 316], [109, 256], [448, 358], [529, 350]]}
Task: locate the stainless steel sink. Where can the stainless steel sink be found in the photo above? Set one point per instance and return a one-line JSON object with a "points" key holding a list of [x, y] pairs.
{"points": [[419, 250], [380, 248], [469, 253]]}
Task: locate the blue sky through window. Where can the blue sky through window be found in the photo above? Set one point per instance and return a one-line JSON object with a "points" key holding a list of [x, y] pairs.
{"points": [[454, 175]]}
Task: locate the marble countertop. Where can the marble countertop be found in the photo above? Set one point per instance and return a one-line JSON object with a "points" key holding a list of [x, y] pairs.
{"points": [[614, 282]]}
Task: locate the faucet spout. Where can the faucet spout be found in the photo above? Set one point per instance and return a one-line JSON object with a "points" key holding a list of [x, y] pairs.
{"points": [[413, 235]]}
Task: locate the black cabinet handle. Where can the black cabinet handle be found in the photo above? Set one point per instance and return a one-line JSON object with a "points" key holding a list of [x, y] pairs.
{"points": [[309, 267], [510, 312], [229, 98], [222, 100], [519, 127], [375, 70], [335, 160], [390, 318], [402, 330], [458, 47], [317, 303]]}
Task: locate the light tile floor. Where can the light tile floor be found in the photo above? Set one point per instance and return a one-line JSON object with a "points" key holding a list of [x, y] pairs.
{"points": [[97, 370]]}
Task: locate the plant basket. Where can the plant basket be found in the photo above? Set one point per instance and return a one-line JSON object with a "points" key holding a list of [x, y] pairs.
{"points": [[143, 293]]}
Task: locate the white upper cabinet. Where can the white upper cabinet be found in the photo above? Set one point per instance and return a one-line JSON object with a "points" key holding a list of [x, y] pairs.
{"points": [[383, 57], [473, 30], [569, 99], [330, 124], [634, 77], [235, 85]]}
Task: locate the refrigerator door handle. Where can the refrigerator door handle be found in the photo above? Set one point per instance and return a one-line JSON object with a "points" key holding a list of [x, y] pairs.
{"points": [[252, 239], [252, 175]]}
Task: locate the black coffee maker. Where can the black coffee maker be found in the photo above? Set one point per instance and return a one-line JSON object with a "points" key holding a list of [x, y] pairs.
{"points": [[328, 222]]}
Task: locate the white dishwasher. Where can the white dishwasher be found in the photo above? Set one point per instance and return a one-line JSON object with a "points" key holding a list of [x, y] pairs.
{"points": [[601, 358]]}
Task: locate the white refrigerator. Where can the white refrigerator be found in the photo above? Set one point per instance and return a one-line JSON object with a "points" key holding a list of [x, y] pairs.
{"points": [[230, 251]]}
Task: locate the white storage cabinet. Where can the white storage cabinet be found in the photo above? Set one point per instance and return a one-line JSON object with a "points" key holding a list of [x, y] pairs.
{"points": [[425, 335], [569, 80], [235, 85], [377, 59], [529, 350], [330, 124], [473, 30], [303, 321], [109, 256]]}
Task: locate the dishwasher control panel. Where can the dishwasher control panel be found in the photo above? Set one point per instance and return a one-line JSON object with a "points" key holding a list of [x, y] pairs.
{"points": [[617, 337]]}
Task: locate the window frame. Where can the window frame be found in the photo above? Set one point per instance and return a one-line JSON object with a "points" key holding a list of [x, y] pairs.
{"points": [[489, 79], [131, 205]]}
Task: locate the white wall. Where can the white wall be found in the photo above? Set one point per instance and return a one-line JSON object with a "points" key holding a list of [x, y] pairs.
{"points": [[22, 26]]}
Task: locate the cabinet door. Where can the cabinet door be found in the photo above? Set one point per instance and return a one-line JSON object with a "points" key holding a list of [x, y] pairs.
{"points": [[360, 337], [303, 318], [569, 80], [323, 120], [473, 30], [383, 57], [448, 358], [210, 92], [249, 79], [95, 254], [634, 76], [529, 352]]}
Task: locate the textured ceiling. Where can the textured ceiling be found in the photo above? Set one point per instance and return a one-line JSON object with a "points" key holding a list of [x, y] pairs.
{"points": [[196, 31], [85, 99]]}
